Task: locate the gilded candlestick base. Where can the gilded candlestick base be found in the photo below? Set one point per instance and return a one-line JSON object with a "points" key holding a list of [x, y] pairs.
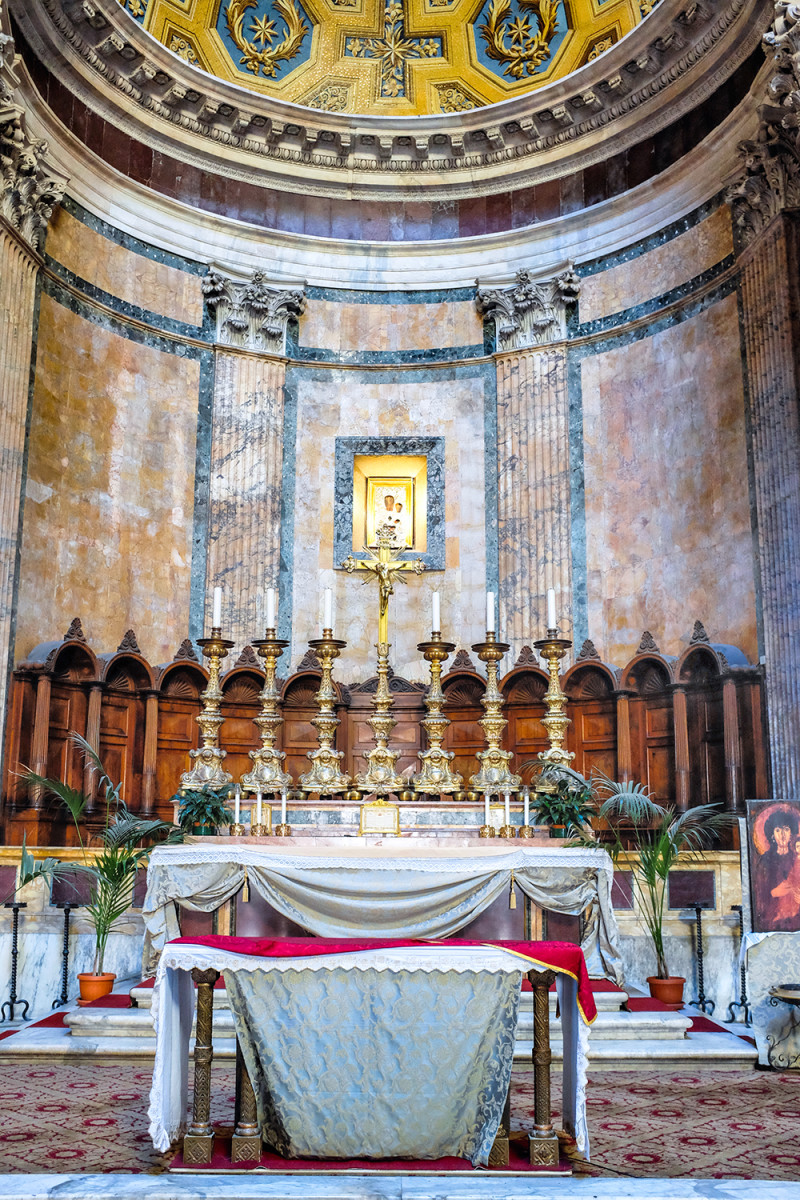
{"points": [[552, 649], [259, 830], [487, 831], [436, 777], [326, 777], [207, 770], [525, 831], [494, 775], [283, 831], [508, 831], [237, 829]]}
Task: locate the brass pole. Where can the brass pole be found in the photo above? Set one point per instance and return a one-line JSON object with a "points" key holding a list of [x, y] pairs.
{"points": [[198, 1144], [246, 1144], [543, 1142]]}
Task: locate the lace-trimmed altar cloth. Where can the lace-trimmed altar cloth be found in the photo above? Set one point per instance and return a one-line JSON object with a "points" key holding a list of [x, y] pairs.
{"points": [[428, 1029], [406, 890]]}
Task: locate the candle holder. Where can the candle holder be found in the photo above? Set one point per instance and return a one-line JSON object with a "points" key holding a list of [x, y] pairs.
{"points": [[487, 831], [525, 831], [494, 775], [259, 830], [508, 831], [283, 830], [326, 777], [381, 776], [552, 649], [268, 774], [237, 829], [207, 770], [436, 777]]}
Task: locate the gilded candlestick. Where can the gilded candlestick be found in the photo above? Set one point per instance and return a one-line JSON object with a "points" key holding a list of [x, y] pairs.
{"points": [[552, 649], [326, 777], [207, 770], [494, 775], [436, 777], [381, 776], [267, 774]]}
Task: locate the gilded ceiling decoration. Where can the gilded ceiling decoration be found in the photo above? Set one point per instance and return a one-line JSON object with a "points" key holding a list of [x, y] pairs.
{"points": [[399, 57]]}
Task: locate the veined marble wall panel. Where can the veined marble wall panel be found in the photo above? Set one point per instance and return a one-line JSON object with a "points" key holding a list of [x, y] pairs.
{"points": [[17, 290], [659, 270], [153, 285], [533, 494], [245, 489], [109, 497], [447, 404], [668, 527], [330, 325]]}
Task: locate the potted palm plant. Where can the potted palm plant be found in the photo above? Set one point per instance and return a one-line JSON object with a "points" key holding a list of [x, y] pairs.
{"points": [[112, 870], [203, 810], [659, 836]]}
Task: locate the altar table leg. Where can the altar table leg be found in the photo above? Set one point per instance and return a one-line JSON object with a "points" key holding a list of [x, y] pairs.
{"points": [[198, 1144], [246, 1144], [543, 1142]]}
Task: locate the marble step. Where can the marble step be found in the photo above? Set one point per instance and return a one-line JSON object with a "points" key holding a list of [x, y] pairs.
{"points": [[604, 1001], [609, 1026]]}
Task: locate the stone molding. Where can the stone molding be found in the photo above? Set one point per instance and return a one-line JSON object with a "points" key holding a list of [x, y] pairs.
{"points": [[251, 315], [771, 180], [684, 48], [29, 189], [529, 314]]}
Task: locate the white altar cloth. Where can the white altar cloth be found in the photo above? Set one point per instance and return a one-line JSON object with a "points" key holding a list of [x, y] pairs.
{"points": [[174, 999], [395, 888]]}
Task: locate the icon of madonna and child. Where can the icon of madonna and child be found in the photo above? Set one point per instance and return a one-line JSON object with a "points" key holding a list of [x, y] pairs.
{"points": [[774, 836]]}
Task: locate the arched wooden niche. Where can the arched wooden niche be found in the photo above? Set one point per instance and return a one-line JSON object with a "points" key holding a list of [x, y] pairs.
{"points": [[699, 672], [647, 679], [524, 689], [73, 668], [178, 732], [463, 691], [122, 721], [592, 707], [241, 701], [298, 736]]}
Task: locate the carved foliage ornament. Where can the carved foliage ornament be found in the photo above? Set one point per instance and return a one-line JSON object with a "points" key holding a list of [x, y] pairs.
{"points": [[529, 313], [528, 46], [771, 180], [251, 315], [259, 55], [28, 192]]}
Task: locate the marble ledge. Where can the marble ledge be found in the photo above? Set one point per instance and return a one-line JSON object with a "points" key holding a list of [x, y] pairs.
{"points": [[206, 1186]]}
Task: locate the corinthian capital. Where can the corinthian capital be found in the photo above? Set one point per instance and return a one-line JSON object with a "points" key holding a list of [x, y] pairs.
{"points": [[251, 315], [770, 181], [529, 313], [29, 190]]}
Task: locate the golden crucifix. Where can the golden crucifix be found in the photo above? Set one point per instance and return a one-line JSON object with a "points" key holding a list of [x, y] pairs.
{"points": [[381, 776], [386, 569]]}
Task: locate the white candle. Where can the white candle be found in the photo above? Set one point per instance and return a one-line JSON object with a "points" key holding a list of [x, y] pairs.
{"points": [[236, 804], [551, 609], [486, 807], [436, 620], [328, 618], [526, 801], [216, 619], [508, 808], [270, 608], [283, 802], [490, 612], [258, 807]]}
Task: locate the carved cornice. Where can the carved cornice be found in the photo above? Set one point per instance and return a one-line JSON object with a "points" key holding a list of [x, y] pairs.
{"points": [[685, 48], [129, 644], [770, 183], [253, 316], [530, 313], [29, 190]]}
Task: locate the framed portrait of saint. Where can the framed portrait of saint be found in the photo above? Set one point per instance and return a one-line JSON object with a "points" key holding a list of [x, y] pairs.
{"points": [[390, 501], [773, 834]]}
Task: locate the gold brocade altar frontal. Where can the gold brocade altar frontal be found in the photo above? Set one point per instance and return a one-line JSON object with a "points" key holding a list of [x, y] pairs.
{"points": [[405, 57]]}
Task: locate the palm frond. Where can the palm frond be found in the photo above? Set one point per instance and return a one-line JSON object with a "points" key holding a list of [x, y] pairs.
{"points": [[126, 830], [96, 767], [74, 801], [625, 799]]}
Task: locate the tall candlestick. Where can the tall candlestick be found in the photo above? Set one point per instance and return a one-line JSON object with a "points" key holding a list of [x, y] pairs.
{"points": [[283, 805], [486, 808], [258, 807], [216, 619], [508, 808], [490, 612], [551, 608], [270, 608], [526, 802], [236, 799], [327, 622], [436, 619]]}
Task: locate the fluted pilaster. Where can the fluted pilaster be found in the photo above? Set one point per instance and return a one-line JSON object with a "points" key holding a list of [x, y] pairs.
{"points": [[17, 291], [533, 493], [770, 295], [245, 489]]}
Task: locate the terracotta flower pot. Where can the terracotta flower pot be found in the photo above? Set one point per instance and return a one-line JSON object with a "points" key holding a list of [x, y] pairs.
{"points": [[94, 986], [668, 991]]}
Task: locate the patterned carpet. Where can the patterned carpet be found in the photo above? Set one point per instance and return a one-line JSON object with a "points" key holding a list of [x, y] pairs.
{"points": [[91, 1117]]}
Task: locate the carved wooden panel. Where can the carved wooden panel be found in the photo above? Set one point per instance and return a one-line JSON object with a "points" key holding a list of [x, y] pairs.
{"points": [[464, 736], [706, 746], [298, 735], [241, 702]]}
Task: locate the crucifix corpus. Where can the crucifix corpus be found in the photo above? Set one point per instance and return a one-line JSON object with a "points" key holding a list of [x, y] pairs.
{"points": [[380, 776]]}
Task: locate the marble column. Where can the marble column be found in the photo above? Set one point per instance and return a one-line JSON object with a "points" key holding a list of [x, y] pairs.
{"points": [[770, 300], [245, 489], [533, 493], [18, 268]]}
